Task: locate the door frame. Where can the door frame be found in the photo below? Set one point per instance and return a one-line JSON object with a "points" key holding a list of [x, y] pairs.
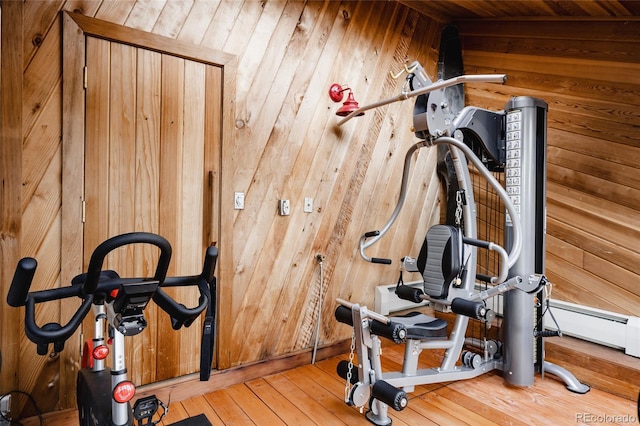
{"points": [[76, 28]]}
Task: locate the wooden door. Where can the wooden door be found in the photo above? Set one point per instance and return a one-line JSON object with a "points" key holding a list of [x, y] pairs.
{"points": [[146, 120], [150, 155]]}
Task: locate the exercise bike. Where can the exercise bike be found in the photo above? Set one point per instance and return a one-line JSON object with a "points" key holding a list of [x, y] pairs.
{"points": [[512, 141], [104, 393]]}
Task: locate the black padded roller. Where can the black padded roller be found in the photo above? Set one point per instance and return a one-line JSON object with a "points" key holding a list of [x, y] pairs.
{"points": [[409, 293], [392, 331], [21, 282], [343, 369], [468, 308], [390, 395], [343, 315]]}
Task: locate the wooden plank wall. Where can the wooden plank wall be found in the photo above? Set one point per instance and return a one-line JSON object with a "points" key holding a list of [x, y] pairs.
{"points": [[10, 191], [287, 146], [588, 72]]}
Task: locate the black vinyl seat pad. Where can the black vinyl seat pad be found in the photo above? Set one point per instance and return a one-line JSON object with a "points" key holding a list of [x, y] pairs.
{"points": [[420, 326]]}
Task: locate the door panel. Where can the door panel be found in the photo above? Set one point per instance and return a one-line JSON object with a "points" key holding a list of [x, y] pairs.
{"points": [[148, 167]]}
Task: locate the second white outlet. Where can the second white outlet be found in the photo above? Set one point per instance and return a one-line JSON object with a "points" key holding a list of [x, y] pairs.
{"points": [[308, 205]]}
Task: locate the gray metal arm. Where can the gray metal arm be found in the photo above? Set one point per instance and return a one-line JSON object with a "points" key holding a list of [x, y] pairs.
{"points": [[480, 78], [366, 241]]}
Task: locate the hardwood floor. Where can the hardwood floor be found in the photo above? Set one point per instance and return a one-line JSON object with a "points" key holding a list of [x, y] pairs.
{"points": [[313, 395]]}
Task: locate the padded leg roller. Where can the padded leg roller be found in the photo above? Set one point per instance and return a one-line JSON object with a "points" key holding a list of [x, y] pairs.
{"points": [[343, 315], [392, 331], [343, 370], [470, 309], [390, 395], [409, 293]]}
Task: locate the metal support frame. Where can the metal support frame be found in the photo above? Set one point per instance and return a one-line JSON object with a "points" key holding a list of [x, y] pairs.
{"points": [[513, 139]]}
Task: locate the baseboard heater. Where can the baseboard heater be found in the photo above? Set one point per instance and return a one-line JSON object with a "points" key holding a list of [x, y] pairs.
{"points": [[583, 322]]}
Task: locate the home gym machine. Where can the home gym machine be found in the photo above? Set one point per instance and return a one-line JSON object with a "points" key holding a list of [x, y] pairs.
{"points": [[104, 393], [512, 141]]}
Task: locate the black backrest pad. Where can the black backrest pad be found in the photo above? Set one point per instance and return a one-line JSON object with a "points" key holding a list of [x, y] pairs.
{"points": [[440, 259]]}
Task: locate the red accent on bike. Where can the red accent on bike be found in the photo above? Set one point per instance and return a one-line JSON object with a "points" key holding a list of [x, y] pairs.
{"points": [[124, 391], [114, 292], [87, 361], [101, 352]]}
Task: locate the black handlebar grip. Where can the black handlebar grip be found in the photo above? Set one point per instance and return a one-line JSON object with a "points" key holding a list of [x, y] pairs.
{"points": [[56, 332], [475, 242], [484, 278], [210, 259], [21, 282], [409, 293], [100, 252], [371, 234], [206, 282], [548, 333], [179, 313], [381, 260]]}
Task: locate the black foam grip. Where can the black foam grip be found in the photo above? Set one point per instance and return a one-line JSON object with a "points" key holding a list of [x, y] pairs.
{"points": [[484, 278], [210, 259], [206, 282], [381, 260], [53, 332], [475, 242], [392, 331], [390, 395], [22, 278], [343, 315], [468, 308], [179, 313], [100, 252], [409, 293], [343, 369], [547, 333]]}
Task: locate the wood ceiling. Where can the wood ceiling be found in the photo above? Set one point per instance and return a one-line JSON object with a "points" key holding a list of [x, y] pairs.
{"points": [[451, 10]]}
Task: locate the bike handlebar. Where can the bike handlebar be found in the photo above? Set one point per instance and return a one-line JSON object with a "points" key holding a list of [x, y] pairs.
{"points": [[22, 279], [180, 314], [95, 284], [100, 252], [19, 295]]}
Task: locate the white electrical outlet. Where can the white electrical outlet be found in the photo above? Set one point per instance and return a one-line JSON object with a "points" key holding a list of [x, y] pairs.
{"points": [[238, 200], [284, 209], [308, 205]]}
